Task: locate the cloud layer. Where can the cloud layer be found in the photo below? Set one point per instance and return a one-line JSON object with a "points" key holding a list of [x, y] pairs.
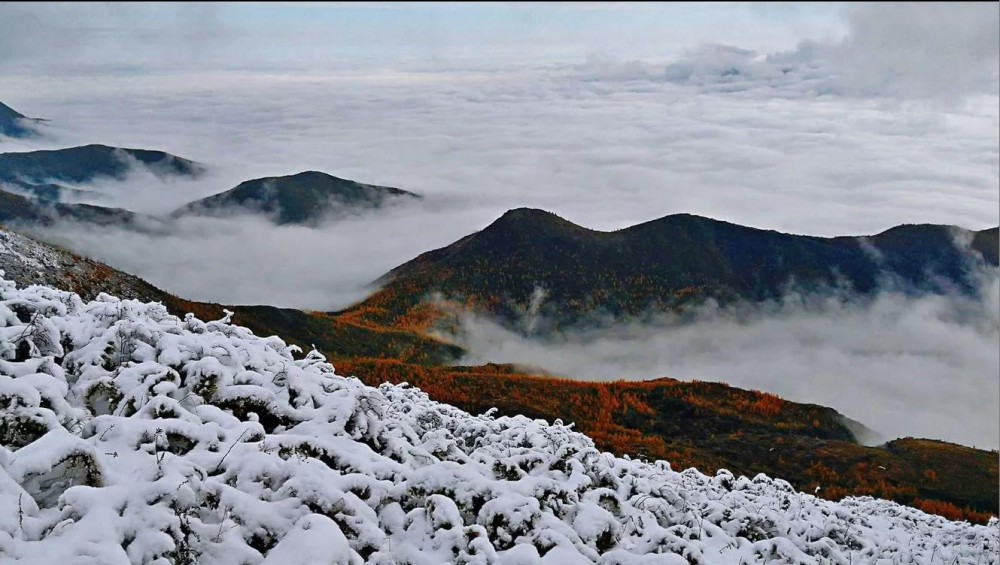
{"points": [[605, 155], [928, 49], [936, 52]]}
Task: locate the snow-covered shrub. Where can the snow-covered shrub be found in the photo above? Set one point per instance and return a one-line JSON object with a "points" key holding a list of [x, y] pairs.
{"points": [[133, 436]]}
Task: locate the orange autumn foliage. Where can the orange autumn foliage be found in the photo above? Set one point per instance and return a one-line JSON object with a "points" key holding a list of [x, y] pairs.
{"points": [[950, 511], [618, 416]]}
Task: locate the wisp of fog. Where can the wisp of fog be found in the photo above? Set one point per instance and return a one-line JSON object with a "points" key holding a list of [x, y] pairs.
{"points": [[903, 365]]}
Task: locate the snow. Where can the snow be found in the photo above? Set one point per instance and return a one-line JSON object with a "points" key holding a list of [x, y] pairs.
{"points": [[133, 436]]}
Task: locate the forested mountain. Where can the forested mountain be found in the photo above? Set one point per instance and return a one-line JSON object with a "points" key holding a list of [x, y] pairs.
{"points": [[532, 259]]}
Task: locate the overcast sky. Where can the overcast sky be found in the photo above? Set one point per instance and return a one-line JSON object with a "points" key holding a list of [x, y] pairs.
{"points": [[304, 35], [825, 119]]}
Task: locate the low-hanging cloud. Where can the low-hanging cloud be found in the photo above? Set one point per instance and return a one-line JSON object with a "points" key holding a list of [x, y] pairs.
{"points": [[903, 365], [247, 259]]}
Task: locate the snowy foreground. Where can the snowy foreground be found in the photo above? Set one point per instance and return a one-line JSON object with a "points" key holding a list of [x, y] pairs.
{"points": [[133, 436]]}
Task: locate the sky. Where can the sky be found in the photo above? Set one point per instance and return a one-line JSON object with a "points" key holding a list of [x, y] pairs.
{"points": [[813, 118], [304, 35]]}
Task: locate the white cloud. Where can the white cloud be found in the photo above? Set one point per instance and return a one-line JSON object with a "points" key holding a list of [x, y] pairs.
{"points": [[248, 260], [941, 52], [931, 50]]}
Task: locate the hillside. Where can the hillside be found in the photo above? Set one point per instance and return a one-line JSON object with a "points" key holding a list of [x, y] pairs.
{"points": [[704, 425], [296, 199], [581, 274], [133, 436], [40, 173]]}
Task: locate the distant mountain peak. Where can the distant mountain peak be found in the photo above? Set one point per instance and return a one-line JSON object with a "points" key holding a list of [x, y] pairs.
{"points": [[303, 197], [15, 124], [84, 163], [312, 175], [8, 112], [533, 221], [525, 213]]}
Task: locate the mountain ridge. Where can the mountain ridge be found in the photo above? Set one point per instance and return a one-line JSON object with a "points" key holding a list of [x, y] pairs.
{"points": [[84, 163], [672, 261], [46, 173]]}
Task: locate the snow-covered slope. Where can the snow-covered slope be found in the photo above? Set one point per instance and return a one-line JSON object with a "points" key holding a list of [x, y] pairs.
{"points": [[132, 436]]}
